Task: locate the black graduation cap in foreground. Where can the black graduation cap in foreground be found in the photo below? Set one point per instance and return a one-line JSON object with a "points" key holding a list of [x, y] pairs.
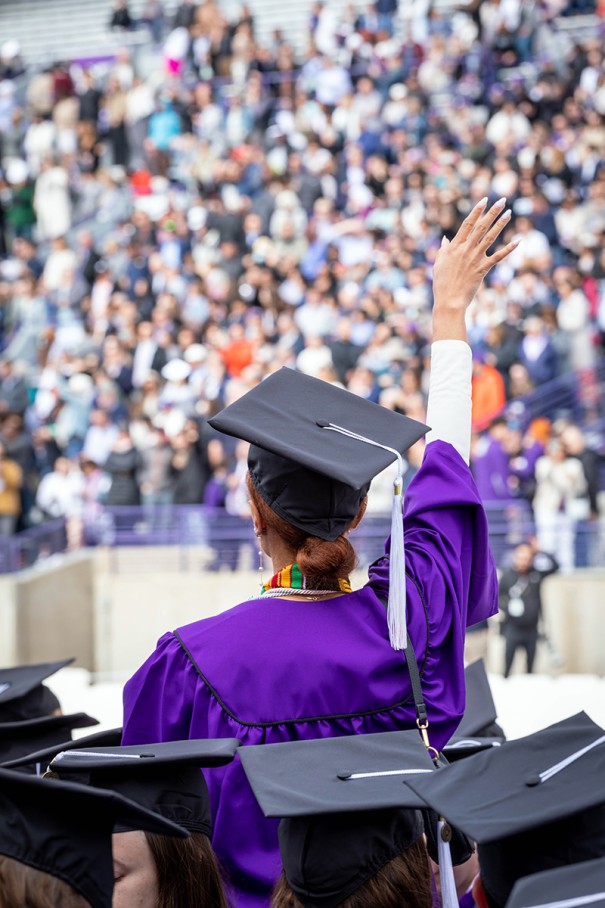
{"points": [[22, 693], [41, 757], [336, 775], [567, 887], [478, 729], [19, 739], [310, 474], [536, 803], [65, 830], [344, 807], [164, 777]]}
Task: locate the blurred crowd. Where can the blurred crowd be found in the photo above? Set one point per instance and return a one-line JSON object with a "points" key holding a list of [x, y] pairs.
{"points": [[170, 237]]}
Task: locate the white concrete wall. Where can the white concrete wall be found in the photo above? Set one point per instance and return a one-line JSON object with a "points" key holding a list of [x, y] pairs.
{"points": [[133, 608], [575, 619], [108, 608], [8, 619]]}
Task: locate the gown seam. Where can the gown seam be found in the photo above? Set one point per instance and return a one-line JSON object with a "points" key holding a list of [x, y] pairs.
{"points": [[322, 718]]}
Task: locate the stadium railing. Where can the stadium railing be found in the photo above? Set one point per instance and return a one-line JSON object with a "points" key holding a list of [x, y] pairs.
{"points": [[227, 542]]}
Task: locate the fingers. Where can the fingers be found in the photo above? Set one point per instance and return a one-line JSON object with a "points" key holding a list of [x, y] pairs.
{"points": [[495, 230], [479, 225], [466, 253], [490, 217], [470, 221], [501, 254]]}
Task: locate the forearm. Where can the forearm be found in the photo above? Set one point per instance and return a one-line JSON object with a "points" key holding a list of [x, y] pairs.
{"points": [[449, 402]]}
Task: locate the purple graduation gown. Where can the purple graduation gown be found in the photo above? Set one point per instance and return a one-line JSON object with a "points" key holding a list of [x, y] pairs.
{"points": [[272, 670]]}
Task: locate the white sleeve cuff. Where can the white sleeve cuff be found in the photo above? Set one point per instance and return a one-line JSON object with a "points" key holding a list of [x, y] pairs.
{"points": [[449, 404]]}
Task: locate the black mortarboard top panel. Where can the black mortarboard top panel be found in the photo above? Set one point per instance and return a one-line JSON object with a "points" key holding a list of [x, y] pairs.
{"points": [[580, 885], [204, 752], [499, 792], [108, 738], [480, 710], [162, 777], [534, 803], [65, 830], [306, 778], [20, 680], [22, 694], [283, 415], [18, 739]]}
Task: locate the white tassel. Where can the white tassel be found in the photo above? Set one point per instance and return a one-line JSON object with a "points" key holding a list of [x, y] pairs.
{"points": [[396, 609], [396, 612], [449, 898]]}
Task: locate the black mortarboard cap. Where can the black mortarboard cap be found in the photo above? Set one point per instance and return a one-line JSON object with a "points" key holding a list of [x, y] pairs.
{"points": [[41, 757], [344, 807], [162, 777], [65, 830], [532, 804], [480, 710], [567, 887], [18, 739], [22, 693], [312, 476], [478, 729]]}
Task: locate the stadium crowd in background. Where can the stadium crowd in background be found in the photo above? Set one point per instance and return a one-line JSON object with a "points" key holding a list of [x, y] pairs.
{"points": [[170, 237]]}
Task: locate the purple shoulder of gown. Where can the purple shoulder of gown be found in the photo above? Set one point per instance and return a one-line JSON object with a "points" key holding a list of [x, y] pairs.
{"points": [[271, 670]]}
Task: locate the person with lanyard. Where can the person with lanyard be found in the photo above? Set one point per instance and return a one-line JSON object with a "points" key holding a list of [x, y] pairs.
{"points": [[309, 657], [520, 593]]}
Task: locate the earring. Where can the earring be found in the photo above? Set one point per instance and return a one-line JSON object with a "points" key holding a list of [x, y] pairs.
{"points": [[260, 560]]}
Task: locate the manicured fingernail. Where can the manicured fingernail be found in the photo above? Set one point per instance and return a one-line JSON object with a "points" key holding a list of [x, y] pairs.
{"points": [[443, 240], [482, 203], [507, 215], [500, 202]]}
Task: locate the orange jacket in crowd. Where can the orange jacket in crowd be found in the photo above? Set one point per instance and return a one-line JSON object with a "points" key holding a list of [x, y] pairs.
{"points": [[489, 395]]}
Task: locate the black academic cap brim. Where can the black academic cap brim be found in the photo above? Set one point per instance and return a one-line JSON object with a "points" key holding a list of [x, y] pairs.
{"points": [[568, 887], [108, 738], [288, 412], [20, 680], [500, 792], [64, 829], [203, 752], [18, 739], [336, 775], [480, 710]]}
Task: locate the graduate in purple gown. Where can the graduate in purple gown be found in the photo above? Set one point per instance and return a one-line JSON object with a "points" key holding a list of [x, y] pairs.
{"points": [[309, 657]]}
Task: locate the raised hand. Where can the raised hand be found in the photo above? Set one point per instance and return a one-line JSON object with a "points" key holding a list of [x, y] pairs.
{"points": [[461, 265]]}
